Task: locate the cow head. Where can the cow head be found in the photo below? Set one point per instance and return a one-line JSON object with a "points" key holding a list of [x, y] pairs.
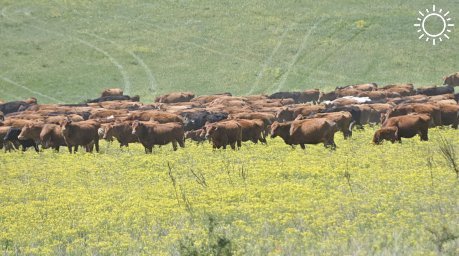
{"points": [[285, 114], [65, 124], [210, 130], [25, 132], [387, 133], [137, 127], [105, 132], [274, 129]]}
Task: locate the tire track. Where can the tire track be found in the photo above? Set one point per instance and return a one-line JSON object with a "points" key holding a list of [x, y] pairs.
{"points": [[151, 78], [187, 42], [268, 61], [297, 55], [125, 76]]}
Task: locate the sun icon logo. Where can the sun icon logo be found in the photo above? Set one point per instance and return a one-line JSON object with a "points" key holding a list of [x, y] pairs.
{"points": [[434, 25]]}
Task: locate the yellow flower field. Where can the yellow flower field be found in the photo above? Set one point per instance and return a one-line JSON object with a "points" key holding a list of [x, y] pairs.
{"points": [[361, 199]]}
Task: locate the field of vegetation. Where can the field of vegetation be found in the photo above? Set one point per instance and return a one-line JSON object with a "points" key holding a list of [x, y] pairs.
{"points": [[68, 51], [362, 199]]}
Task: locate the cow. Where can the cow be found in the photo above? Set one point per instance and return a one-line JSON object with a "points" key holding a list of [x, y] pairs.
{"points": [[114, 98], [252, 130], [343, 120], [175, 97], [13, 106], [150, 134], [328, 96], [7, 145], [154, 115], [449, 114], [451, 80], [31, 131], [407, 126], [435, 90], [289, 114], [51, 137], [112, 92], [268, 118], [122, 132], [402, 89], [224, 133], [12, 136], [420, 108], [58, 119], [196, 135], [194, 119], [298, 97], [83, 133], [385, 133], [360, 87], [308, 131]]}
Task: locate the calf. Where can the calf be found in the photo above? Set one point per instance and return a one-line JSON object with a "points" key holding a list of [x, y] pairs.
{"points": [[51, 137], [150, 134], [196, 135], [224, 133], [80, 134], [12, 136], [122, 132]]}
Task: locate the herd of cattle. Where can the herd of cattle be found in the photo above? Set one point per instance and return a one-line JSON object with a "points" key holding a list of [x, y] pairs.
{"points": [[299, 118]]}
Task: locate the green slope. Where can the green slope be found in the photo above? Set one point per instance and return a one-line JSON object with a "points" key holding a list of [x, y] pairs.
{"points": [[69, 51]]}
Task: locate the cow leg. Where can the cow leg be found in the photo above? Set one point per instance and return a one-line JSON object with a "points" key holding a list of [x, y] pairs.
{"points": [[233, 146], [36, 147], [239, 143], [302, 146], [424, 135], [174, 145], [96, 143], [182, 143], [70, 149]]}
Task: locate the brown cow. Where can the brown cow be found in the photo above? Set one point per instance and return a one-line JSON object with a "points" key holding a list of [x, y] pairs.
{"points": [[289, 114], [223, 133], [175, 97], [154, 115], [267, 118], [449, 114], [252, 130], [407, 126], [385, 133], [59, 119], [402, 89], [343, 120], [122, 132], [31, 131], [451, 80], [83, 133], [420, 108], [51, 137], [309, 131], [112, 92], [150, 134]]}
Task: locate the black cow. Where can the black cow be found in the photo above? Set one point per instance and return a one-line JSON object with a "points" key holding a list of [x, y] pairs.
{"points": [[193, 120], [12, 136], [13, 106], [113, 98]]}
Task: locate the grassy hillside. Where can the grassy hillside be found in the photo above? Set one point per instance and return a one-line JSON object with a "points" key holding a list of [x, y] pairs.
{"points": [[67, 51]]}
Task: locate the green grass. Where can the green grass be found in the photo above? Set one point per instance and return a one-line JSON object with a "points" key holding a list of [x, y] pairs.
{"points": [[68, 51], [260, 200]]}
